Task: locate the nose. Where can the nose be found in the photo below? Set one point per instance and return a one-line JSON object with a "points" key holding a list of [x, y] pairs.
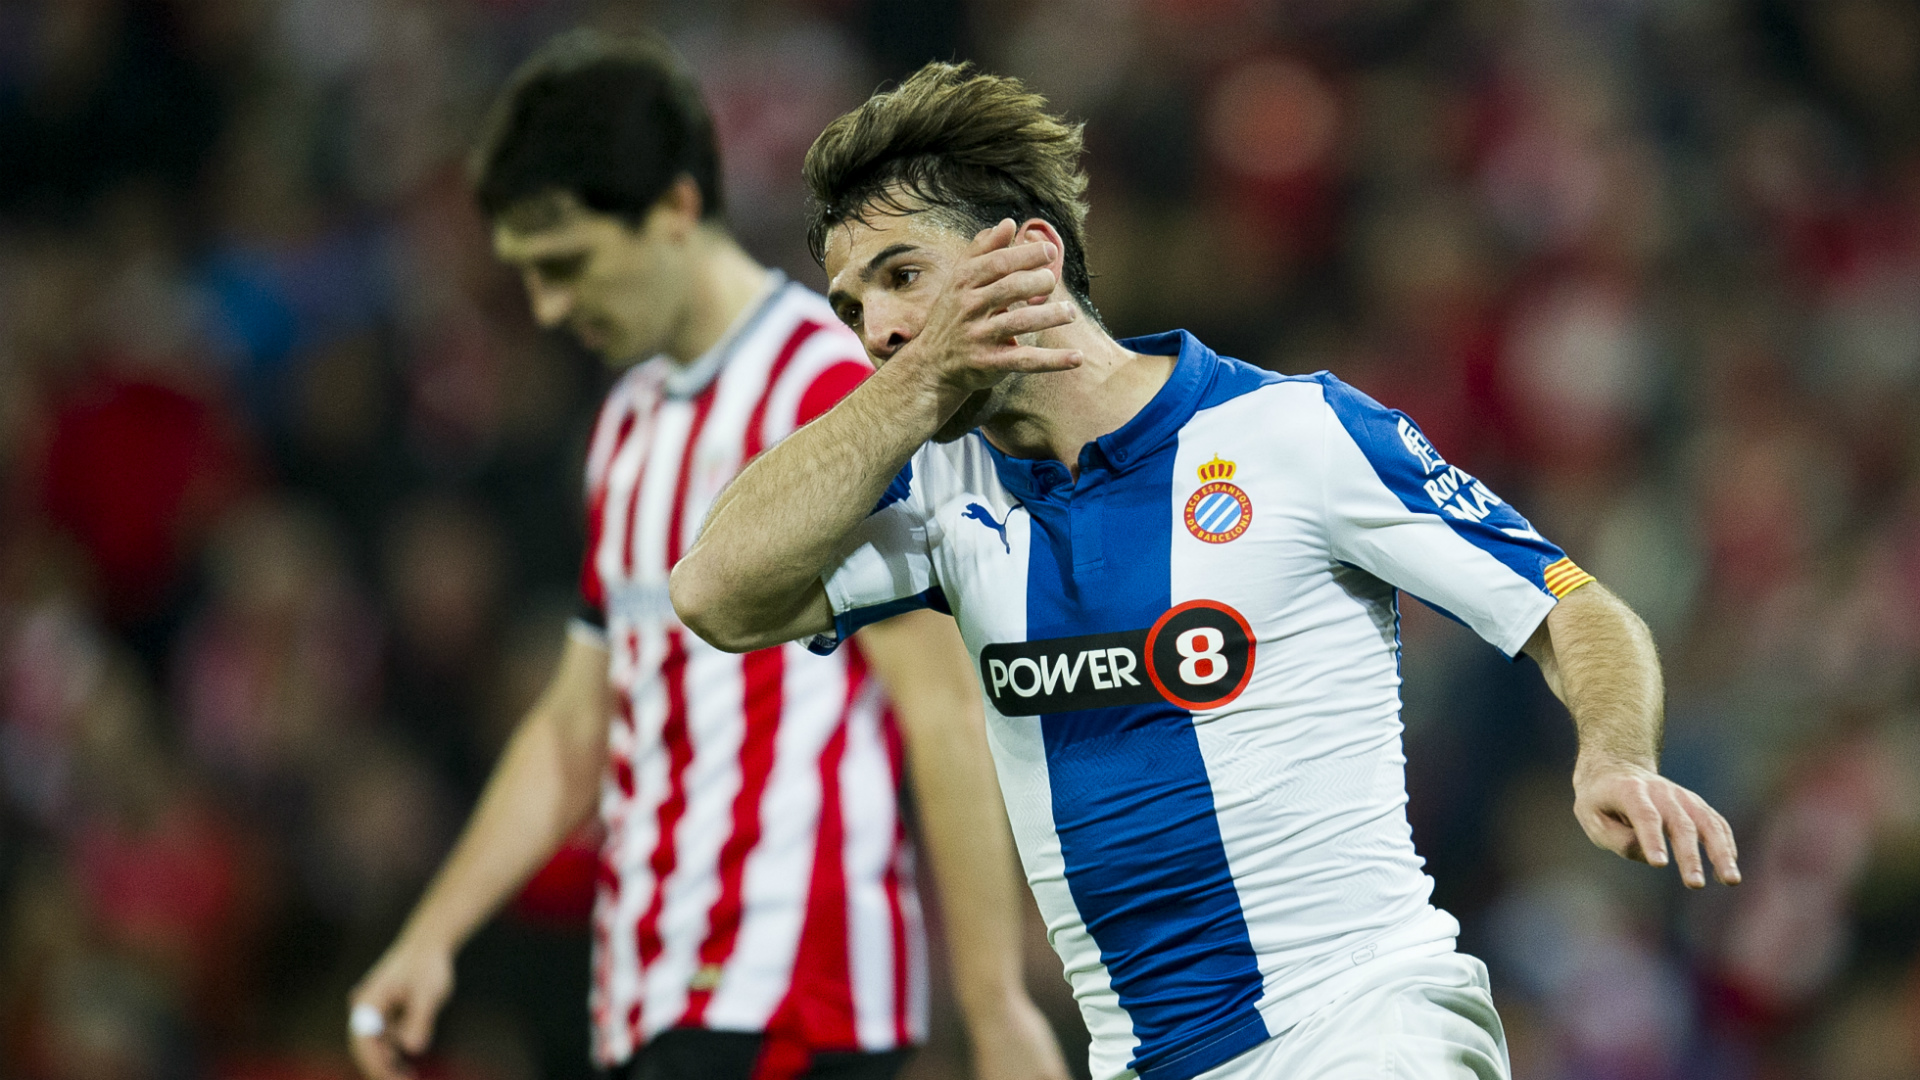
{"points": [[885, 331], [551, 304]]}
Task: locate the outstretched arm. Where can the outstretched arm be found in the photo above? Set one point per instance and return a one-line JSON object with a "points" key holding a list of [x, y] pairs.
{"points": [[543, 788], [1598, 658], [753, 578], [924, 665]]}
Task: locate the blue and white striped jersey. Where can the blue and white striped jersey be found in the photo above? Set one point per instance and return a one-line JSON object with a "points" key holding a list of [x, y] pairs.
{"points": [[1190, 660]]}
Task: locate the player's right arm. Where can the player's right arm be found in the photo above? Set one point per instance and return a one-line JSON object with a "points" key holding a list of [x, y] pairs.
{"points": [[753, 578], [542, 790]]}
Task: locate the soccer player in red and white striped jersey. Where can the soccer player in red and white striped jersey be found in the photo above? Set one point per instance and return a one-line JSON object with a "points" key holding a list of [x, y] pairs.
{"points": [[756, 916]]}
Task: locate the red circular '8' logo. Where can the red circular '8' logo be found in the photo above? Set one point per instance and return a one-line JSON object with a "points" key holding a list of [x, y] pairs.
{"points": [[1200, 654]]}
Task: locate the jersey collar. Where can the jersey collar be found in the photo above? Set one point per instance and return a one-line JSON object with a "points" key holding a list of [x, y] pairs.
{"points": [[1158, 421], [686, 382]]}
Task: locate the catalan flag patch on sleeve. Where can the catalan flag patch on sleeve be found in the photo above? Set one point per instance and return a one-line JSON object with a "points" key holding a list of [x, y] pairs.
{"points": [[1563, 577]]}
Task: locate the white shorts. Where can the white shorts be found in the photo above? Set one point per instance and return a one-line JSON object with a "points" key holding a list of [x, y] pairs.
{"points": [[1419, 1018]]}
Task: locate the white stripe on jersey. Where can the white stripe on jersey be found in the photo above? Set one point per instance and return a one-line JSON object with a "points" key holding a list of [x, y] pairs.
{"points": [[666, 443], [1210, 874]]}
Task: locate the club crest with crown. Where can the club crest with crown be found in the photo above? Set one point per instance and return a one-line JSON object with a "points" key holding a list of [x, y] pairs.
{"points": [[1219, 511]]}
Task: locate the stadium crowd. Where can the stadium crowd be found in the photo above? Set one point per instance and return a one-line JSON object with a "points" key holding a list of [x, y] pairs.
{"points": [[289, 492]]}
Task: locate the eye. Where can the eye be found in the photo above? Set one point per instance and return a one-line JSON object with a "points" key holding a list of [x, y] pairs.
{"points": [[850, 314], [904, 276]]}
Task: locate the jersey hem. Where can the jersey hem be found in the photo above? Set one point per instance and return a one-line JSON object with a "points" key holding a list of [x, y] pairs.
{"points": [[1211, 1054], [1431, 933]]}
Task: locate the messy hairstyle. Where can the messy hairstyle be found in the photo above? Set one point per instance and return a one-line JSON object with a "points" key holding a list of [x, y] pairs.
{"points": [[971, 148], [612, 120]]}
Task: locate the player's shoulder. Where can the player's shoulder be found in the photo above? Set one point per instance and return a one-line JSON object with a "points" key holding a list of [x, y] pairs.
{"points": [[1239, 387], [1267, 411], [633, 388], [800, 310]]}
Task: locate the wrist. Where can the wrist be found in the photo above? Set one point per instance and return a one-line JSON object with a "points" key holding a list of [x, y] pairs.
{"points": [[1594, 763], [920, 392], [425, 938]]}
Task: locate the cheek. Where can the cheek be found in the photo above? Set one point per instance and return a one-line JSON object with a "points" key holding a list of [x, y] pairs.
{"points": [[898, 312]]}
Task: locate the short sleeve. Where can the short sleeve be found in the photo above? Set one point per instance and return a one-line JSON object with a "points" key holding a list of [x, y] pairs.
{"points": [[888, 568], [1397, 510], [615, 424]]}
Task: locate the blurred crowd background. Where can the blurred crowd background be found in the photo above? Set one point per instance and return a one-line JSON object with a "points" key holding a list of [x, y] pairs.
{"points": [[289, 484]]}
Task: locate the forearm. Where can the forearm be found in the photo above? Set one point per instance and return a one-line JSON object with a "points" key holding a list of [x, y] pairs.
{"points": [[780, 524], [1599, 659]]}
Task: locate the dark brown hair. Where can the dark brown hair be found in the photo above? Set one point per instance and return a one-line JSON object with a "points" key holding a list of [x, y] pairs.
{"points": [[613, 120], [972, 148]]}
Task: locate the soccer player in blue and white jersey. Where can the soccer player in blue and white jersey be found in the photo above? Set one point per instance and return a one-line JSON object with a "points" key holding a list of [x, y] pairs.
{"points": [[1177, 575]]}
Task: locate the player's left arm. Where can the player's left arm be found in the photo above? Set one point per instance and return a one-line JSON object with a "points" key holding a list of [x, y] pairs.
{"points": [[1598, 658], [924, 666]]}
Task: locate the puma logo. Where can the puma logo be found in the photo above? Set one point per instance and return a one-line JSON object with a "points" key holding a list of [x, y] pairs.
{"points": [[984, 516]]}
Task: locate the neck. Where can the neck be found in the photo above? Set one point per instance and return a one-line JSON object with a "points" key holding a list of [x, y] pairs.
{"points": [[726, 282], [1055, 414]]}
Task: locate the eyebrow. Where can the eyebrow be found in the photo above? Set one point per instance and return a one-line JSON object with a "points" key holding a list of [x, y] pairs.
{"points": [[840, 296]]}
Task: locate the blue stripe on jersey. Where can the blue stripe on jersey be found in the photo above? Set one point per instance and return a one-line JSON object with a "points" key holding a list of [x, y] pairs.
{"points": [[897, 488], [1430, 486], [1132, 802]]}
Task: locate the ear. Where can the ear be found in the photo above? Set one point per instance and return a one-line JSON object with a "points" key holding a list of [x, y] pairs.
{"points": [[1037, 231], [680, 208]]}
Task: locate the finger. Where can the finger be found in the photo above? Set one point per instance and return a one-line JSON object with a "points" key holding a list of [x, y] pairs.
{"points": [[378, 1058], [413, 1028], [1686, 840], [1644, 816], [1021, 285], [1028, 358], [1721, 850], [994, 265], [1609, 832], [1028, 320], [992, 239]]}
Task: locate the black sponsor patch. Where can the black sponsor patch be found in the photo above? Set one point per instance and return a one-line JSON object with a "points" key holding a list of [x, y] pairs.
{"points": [[1199, 655]]}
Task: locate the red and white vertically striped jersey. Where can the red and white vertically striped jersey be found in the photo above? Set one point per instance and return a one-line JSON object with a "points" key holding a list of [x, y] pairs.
{"points": [[756, 875]]}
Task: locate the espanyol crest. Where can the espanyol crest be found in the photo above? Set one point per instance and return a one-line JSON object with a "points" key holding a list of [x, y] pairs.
{"points": [[1219, 511]]}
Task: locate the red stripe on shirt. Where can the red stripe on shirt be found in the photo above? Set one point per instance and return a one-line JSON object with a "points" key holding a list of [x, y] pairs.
{"points": [[702, 408], [818, 1011], [763, 672], [756, 424], [592, 590], [679, 747], [898, 872]]}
